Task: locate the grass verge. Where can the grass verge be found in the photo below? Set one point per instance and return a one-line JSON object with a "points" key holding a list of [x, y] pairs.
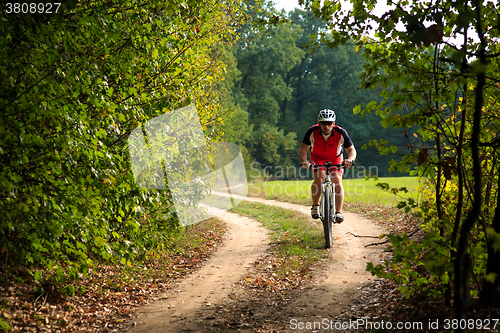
{"points": [[296, 247]]}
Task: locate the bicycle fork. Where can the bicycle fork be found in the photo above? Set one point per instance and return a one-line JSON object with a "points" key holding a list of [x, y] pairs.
{"points": [[332, 196]]}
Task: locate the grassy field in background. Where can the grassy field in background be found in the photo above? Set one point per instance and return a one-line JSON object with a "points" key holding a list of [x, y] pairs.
{"points": [[357, 191]]}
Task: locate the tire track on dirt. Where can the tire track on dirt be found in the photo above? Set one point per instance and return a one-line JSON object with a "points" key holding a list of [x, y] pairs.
{"points": [[335, 287], [244, 242], [339, 283]]}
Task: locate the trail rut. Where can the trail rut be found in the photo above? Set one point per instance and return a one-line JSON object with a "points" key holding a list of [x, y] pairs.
{"points": [[334, 288]]}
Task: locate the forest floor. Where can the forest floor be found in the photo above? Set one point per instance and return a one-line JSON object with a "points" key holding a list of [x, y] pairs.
{"points": [[226, 283]]}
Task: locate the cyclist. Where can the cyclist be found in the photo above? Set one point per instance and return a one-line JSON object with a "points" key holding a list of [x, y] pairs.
{"points": [[327, 142]]}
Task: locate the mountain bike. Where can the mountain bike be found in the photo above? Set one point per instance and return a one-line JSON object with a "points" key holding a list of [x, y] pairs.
{"points": [[327, 201]]}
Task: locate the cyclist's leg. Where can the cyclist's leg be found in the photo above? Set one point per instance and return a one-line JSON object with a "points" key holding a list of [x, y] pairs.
{"points": [[319, 176], [339, 196], [339, 190]]}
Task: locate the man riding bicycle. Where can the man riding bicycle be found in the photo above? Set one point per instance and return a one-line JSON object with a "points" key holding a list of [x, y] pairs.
{"points": [[327, 142]]}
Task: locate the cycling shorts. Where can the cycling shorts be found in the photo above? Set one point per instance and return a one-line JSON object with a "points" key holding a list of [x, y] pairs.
{"points": [[336, 160]]}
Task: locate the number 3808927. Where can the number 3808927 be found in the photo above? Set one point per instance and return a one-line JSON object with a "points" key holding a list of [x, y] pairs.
{"points": [[32, 8]]}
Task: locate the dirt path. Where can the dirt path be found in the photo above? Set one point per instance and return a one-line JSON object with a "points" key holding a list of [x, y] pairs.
{"points": [[245, 241], [185, 308]]}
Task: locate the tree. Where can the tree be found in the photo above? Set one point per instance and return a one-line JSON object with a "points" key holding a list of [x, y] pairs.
{"points": [[330, 77], [446, 90], [285, 74], [265, 56], [76, 83]]}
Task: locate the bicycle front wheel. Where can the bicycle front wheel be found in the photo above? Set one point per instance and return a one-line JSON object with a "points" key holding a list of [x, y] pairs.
{"points": [[326, 213]]}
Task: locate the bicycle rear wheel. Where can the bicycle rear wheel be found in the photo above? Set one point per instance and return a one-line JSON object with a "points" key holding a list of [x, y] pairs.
{"points": [[326, 212]]}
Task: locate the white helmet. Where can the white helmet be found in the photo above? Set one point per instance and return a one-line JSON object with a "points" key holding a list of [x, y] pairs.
{"points": [[326, 115]]}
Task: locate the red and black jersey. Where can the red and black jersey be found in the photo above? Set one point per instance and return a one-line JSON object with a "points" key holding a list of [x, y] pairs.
{"points": [[328, 149]]}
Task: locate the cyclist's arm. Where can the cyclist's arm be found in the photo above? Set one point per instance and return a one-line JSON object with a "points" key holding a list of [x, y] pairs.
{"points": [[303, 155], [351, 155]]}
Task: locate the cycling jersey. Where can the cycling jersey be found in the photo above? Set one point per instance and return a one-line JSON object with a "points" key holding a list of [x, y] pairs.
{"points": [[329, 149]]}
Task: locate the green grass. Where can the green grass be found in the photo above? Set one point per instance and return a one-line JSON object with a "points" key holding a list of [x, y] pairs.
{"points": [[357, 191], [297, 245]]}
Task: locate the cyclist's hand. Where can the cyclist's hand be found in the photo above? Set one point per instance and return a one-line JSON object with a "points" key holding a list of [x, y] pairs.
{"points": [[348, 163], [305, 165]]}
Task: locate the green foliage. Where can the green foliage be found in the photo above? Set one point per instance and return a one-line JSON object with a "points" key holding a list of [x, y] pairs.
{"points": [[415, 266], [443, 93], [285, 74], [269, 144], [408, 204], [265, 55], [75, 85], [5, 327]]}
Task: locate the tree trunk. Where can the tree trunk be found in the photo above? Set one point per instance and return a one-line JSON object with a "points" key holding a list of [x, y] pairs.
{"points": [[300, 105], [490, 294], [460, 198], [439, 203], [462, 262], [283, 111]]}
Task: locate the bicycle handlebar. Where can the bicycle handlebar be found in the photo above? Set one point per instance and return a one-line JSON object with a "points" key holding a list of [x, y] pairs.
{"points": [[329, 165]]}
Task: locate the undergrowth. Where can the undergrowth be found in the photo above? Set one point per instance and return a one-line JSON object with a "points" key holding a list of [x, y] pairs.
{"points": [[109, 293]]}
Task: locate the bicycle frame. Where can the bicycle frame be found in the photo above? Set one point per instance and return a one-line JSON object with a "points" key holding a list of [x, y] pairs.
{"points": [[328, 200], [328, 179]]}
